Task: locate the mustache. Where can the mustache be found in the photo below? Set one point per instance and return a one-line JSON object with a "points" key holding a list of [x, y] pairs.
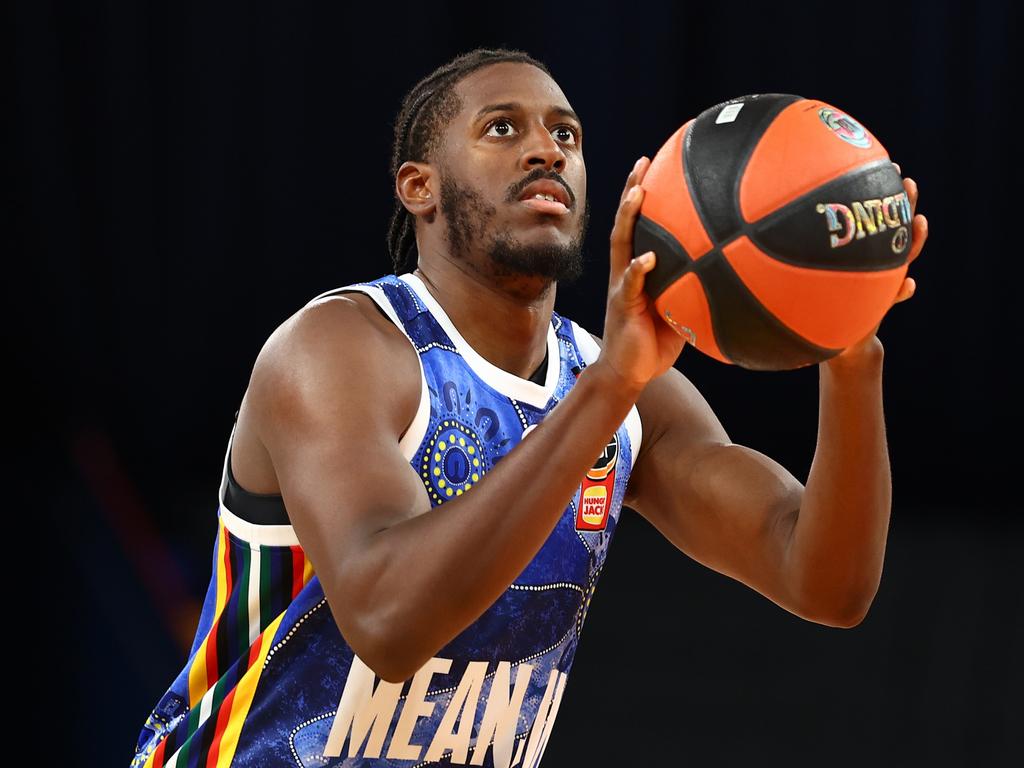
{"points": [[536, 175]]}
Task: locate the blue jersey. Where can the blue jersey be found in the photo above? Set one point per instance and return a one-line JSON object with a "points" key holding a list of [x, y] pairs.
{"points": [[271, 681]]}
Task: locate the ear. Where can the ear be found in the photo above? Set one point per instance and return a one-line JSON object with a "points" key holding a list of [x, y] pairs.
{"points": [[416, 185]]}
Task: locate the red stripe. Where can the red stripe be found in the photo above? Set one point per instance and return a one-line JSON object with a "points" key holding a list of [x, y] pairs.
{"points": [[298, 565], [158, 755], [254, 650], [212, 669], [223, 718]]}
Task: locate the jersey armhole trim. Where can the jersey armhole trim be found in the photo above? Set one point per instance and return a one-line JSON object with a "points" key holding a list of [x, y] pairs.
{"points": [[254, 534], [417, 429], [284, 535]]}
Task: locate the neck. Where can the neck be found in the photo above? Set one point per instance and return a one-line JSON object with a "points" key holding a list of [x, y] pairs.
{"points": [[506, 321]]}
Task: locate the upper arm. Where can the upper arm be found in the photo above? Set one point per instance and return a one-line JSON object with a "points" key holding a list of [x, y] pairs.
{"points": [[727, 506], [333, 390]]}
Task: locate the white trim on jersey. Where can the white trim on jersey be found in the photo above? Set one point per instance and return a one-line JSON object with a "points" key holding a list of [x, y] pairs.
{"points": [[284, 535], [267, 535], [418, 428], [501, 380]]}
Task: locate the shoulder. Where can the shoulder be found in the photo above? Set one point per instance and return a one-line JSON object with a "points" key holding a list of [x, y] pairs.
{"points": [[334, 351], [334, 332]]}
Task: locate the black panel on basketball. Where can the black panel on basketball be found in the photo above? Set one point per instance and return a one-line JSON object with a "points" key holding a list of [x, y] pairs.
{"points": [[744, 329], [798, 233], [673, 261], [719, 152]]}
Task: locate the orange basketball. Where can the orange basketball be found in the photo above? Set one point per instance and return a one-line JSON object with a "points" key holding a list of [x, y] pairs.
{"points": [[781, 228]]}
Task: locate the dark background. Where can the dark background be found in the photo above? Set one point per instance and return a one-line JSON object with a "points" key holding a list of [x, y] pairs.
{"points": [[188, 175]]}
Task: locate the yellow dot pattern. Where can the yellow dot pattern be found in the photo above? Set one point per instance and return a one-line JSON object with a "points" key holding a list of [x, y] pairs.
{"points": [[450, 435]]}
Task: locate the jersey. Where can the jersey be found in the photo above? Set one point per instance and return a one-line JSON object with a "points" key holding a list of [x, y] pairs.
{"points": [[270, 680]]}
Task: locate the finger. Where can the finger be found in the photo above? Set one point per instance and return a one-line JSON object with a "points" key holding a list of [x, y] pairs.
{"points": [[633, 280], [920, 235], [642, 167], [907, 290], [631, 180], [622, 232], [898, 169], [911, 187]]}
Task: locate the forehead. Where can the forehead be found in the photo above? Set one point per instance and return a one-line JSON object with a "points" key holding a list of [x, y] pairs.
{"points": [[508, 82]]}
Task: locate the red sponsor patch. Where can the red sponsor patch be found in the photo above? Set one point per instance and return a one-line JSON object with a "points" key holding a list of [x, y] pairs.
{"points": [[595, 498], [597, 488]]}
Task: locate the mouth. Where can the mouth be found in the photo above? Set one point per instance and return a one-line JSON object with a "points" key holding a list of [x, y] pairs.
{"points": [[547, 196], [552, 207]]}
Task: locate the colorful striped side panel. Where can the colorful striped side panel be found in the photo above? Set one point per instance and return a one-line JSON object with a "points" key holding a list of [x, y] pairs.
{"points": [[199, 719]]}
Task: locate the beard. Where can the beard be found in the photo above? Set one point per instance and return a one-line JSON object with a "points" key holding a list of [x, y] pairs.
{"points": [[468, 217]]}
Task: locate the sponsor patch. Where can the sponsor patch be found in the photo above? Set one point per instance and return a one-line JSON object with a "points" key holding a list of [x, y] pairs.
{"points": [[597, 488]]}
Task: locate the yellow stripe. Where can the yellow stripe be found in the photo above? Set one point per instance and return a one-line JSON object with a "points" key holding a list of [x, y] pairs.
{"points": [[244, 692], [197, 686], [307, 569], [151, 758]]}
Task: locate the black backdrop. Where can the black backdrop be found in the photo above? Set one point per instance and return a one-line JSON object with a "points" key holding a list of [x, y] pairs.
{"points": [[188, 175]]}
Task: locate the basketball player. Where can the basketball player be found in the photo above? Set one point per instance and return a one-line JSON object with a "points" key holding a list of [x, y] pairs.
{"points": [[427, 469]]}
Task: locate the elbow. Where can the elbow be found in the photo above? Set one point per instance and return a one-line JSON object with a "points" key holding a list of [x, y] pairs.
{"points": [[849, 615], [371, 637], [379, 653], [378, 649], [384, 665]]}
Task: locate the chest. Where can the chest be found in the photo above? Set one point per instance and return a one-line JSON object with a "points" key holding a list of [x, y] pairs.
{"points": [[472, 428]]}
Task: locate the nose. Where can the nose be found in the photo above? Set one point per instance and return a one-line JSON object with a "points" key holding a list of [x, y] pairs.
{"points": [[541, 149]]}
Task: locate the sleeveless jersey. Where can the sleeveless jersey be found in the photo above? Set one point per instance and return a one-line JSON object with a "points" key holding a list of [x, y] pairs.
{"points": [[270, 681]]}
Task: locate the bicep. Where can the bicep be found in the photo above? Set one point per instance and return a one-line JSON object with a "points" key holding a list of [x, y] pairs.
{"points": [[333, 400]]}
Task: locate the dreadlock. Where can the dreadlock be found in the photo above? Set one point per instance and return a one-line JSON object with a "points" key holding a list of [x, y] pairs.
{"points": [[419, 127]]}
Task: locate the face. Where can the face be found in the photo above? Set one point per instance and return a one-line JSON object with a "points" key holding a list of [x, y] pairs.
{"points": [[515, 130]]}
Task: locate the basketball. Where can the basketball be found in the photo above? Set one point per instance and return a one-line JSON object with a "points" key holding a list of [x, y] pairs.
{"points": [[781, 230]]}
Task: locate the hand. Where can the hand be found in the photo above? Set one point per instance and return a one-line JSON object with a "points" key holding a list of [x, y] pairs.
{"points": [[638, 344], [919, 225]]}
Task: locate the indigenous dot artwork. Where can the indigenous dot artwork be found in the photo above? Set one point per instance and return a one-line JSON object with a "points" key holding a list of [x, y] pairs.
{"points": [[452, 461]]}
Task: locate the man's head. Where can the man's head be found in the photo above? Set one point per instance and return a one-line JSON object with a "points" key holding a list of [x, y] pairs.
{"points": [[473, 140]]}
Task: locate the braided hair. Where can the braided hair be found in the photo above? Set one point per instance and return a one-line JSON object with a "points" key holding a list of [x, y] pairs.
{"points": [[419, 127]]}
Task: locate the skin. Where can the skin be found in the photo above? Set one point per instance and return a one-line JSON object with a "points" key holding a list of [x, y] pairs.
{"points": [[402, 578], [494, 168], [816, 551]]}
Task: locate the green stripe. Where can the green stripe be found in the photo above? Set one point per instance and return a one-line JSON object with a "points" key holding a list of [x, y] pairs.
{"points": [[219, 690], [242, 590], [265, 606], [185, 748]]}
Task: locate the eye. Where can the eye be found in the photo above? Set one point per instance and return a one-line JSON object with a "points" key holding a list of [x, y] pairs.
{"points": [[500, 121], [573, 137], [567, 133]]}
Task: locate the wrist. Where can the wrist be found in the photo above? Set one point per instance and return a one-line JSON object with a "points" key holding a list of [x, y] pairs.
{"points": [[609, 383], [862, 358]]}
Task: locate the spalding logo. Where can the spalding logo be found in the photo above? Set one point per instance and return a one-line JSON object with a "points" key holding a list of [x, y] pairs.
{"points": [[863, 218], [845, 127], [683, 330]]}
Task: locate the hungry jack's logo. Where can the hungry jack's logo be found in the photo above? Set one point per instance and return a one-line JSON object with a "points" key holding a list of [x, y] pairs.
{"points": [[596, 489]]}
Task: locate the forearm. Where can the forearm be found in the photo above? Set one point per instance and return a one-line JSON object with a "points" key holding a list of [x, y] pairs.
{"points": [[837, 545], [438, 572]]}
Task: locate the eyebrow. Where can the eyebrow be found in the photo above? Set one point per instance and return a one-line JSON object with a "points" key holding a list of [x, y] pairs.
{"points": [[512, 106]]}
